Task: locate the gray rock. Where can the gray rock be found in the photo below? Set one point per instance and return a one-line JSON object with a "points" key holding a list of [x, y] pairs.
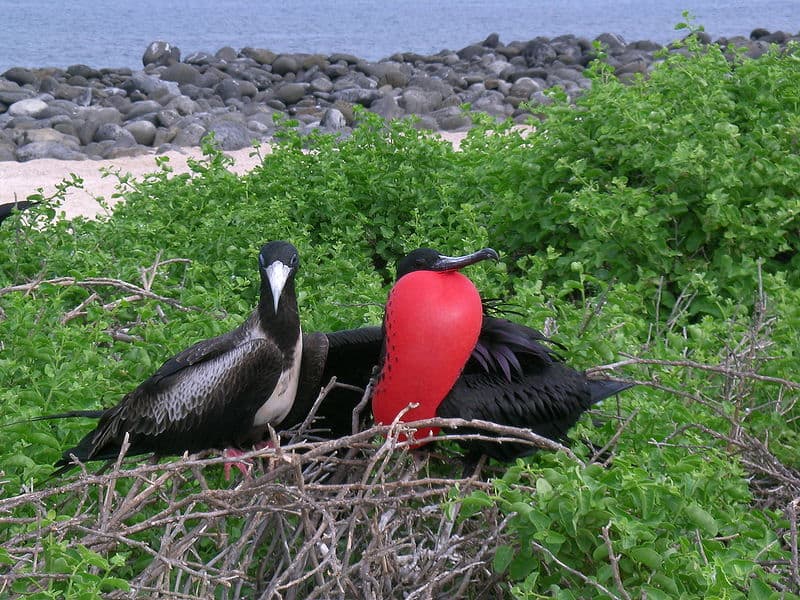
{"points": [[183, 105], [125, 151], [262, 129], [189, 135], [11, 96], [524, 87], [491, 41], [7, 152], [354, 80], [33, 136], [64, 91], [168, 117], [260, 55], [431, 84], [333, 119], [161, 54], [539, 52], [38, 150], [142, 107], [31, 107], [425, 122], [392, 74], [83, 71], [94, 118], [612, 41], [226, 53], [357, 96], [387, 107], [247, 89], [181, 73], [321, 84], [228, 88], [452, 118], [566, 74], [290, 93], [199, 58], [141, 82], [347, 58], [69, 128], [471, 51], [115, 133], [48, 84], [144, 132], [21, 76], [285, 63], [418, 101], [492, 103], [230, 135]]}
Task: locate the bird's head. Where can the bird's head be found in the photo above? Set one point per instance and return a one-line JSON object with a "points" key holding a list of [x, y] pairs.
{"points": [[278, 262], [428, 259]]}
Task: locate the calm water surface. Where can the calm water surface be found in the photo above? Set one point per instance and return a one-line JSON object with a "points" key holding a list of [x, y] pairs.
{"points": [[112, 33]]}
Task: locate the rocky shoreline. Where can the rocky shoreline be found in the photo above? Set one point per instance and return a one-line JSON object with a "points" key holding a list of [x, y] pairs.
{"points": [[83, 113]]}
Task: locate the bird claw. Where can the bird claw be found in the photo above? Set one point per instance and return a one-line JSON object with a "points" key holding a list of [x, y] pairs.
{"points": [[243, 466]]}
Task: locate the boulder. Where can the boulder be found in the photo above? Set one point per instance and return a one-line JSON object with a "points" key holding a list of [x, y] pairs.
{"points": [[161, 54], [144, 132], [38, 150], [31, 107]]}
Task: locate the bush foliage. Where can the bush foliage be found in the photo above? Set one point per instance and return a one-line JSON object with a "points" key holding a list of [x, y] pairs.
{"points": [[659, 219]]}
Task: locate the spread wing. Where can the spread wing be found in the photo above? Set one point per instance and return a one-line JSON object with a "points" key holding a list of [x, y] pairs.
{"points": [[204, 397]]}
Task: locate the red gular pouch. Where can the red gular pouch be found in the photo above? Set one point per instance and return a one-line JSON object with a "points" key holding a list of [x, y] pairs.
{"points": [[432, 323]]}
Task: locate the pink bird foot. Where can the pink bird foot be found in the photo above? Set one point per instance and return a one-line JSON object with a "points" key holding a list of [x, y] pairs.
{"points": [[243, 465]]}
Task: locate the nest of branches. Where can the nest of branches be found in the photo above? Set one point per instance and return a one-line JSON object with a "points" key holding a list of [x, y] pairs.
{"points": [[346, 518]]}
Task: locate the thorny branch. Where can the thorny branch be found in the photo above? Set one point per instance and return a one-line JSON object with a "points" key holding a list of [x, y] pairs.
{"points": [[135, 292]]}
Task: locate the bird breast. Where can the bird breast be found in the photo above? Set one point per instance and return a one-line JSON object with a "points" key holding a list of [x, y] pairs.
{"points": [[280, 402]]}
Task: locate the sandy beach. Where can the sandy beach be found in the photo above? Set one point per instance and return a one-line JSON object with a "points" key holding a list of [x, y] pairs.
{"points": [[19, 180]]}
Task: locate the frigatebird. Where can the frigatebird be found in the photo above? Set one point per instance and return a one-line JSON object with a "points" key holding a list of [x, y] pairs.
{"points": [[7, 209], [439, 349], [219, 393]]}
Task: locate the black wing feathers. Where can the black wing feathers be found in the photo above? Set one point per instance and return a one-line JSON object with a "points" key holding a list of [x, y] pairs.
{"points": [[187, 404]]}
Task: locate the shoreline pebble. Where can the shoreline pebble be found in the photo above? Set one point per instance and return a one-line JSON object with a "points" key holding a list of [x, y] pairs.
{"points": [[83, 112]]}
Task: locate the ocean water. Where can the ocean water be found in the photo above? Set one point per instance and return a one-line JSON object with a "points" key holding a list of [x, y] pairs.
{"points": [[113, 33]]}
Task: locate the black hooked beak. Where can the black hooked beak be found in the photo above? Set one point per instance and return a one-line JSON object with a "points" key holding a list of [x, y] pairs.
{"points": [[456, 263]]}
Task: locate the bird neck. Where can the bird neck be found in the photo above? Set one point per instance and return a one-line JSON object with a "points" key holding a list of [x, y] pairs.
{"points": [[432, 323], [282, 326]]}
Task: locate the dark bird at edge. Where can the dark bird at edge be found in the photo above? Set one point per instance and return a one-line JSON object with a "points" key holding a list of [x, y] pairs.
{"points": [[219, 393], [7, 209]]}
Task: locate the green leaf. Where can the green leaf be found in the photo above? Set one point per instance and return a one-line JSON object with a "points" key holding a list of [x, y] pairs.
{"points": [[702, 519], [502, 558], [647, 556]]}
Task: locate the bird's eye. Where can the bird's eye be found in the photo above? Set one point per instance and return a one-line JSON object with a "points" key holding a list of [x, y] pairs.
{"points": [[295, 260]]}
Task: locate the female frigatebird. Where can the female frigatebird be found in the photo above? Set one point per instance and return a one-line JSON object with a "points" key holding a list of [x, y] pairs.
{"points": [[219, 393], [438, 349]]}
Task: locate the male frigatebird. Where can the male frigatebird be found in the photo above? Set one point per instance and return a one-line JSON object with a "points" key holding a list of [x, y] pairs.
{"points": [[219, 393], [442, 352]]}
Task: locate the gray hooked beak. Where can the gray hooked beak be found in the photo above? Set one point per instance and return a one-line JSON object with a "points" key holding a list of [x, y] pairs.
{"points": [[455, 263], [277, 274]]}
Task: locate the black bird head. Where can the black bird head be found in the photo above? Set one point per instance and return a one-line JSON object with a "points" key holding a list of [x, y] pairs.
{"points": [[428, 259], [278, 263]]}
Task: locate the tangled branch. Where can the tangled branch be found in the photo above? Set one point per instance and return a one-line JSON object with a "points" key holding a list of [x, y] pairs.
{"points": [[318, 522]]}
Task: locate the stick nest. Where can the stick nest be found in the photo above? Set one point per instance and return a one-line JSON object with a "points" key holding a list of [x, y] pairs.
{"points": [[346, 518]]}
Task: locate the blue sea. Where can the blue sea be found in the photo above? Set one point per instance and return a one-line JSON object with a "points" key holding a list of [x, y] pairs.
{"points": [[113, 33]]}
